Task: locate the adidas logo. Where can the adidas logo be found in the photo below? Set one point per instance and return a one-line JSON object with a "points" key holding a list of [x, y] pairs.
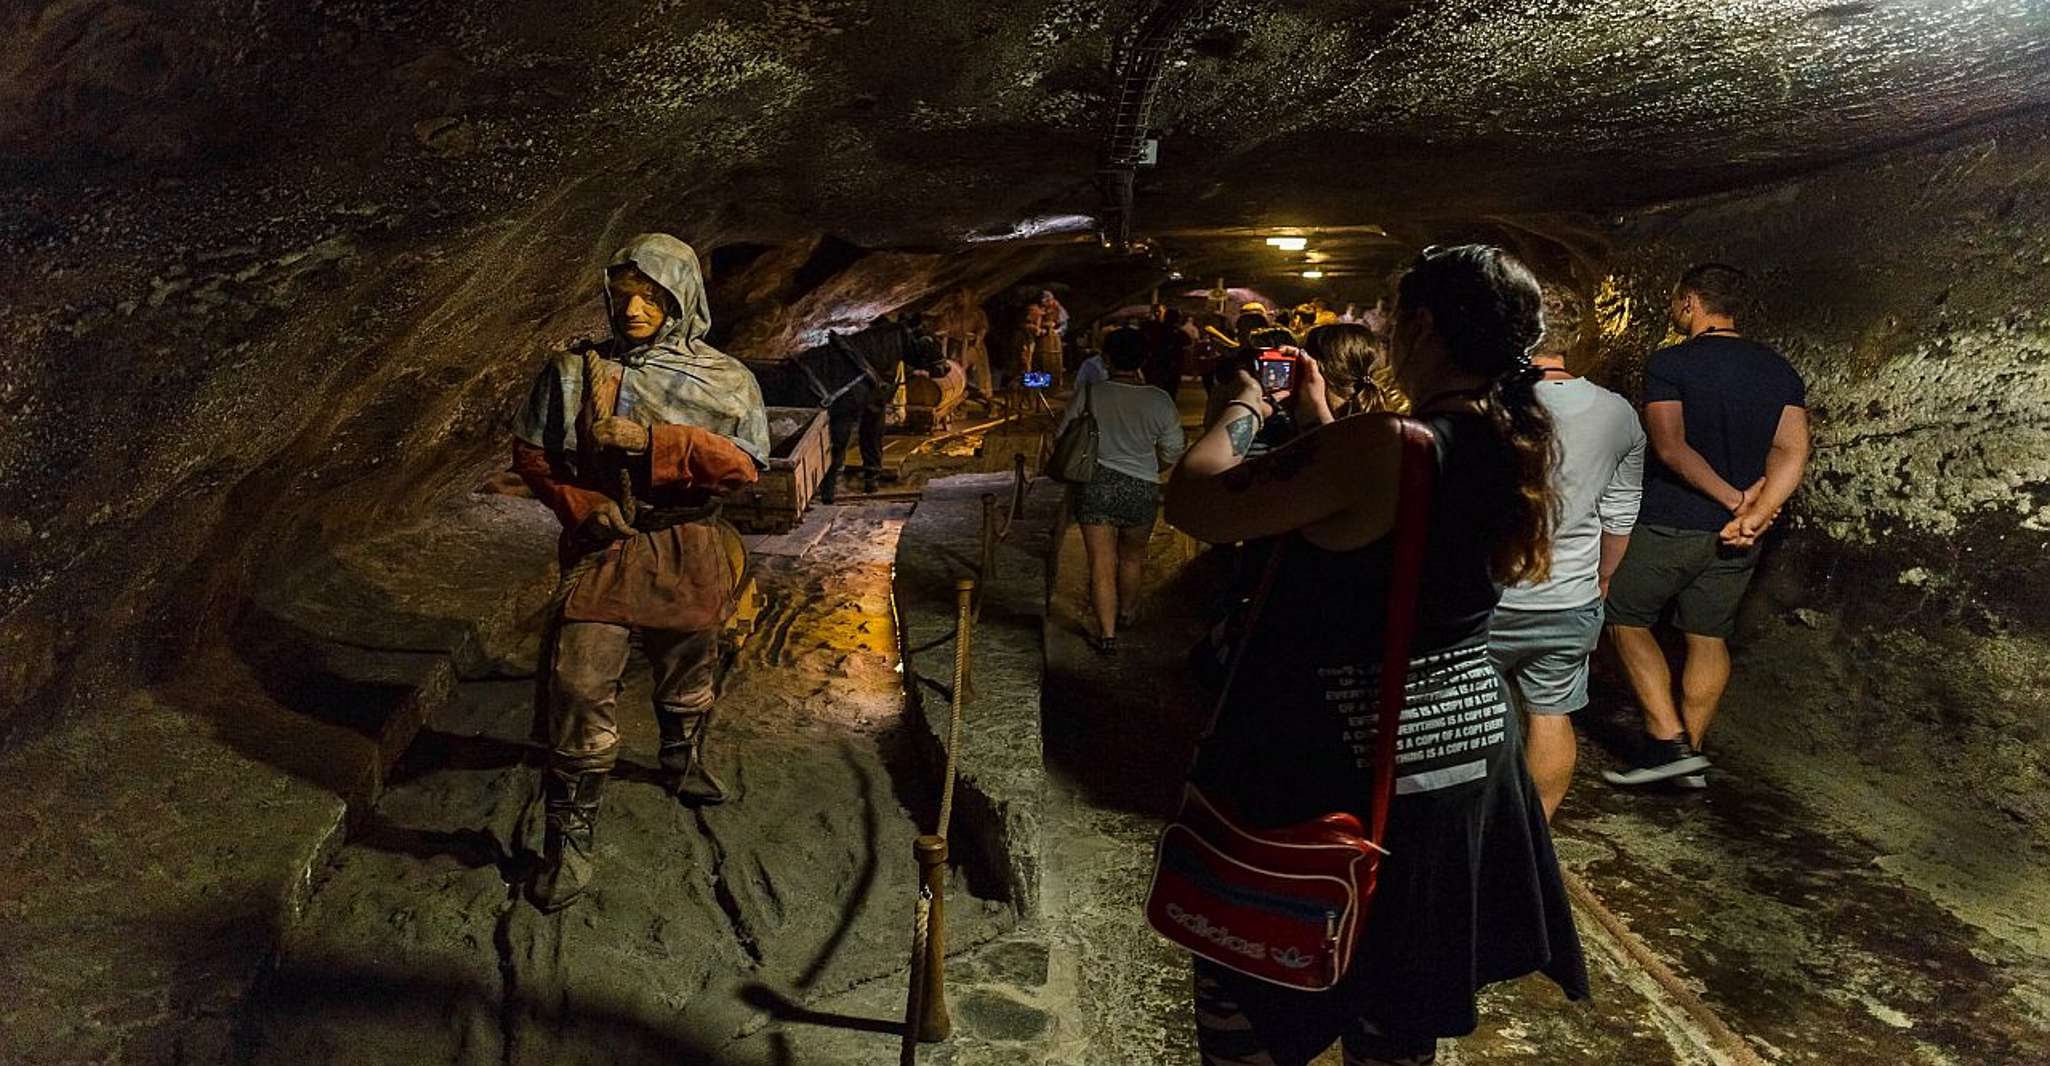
{"points": [[1216, 934], [1291, 958]]}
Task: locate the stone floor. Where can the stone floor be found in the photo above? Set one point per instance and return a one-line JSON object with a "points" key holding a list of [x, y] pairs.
{"points": [[1791, 920], [774, 930], [156, 844], [713, 935]]}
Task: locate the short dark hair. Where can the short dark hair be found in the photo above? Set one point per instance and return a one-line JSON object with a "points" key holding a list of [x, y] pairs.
{"points": [[1719, 286], [1124, 348], [1248, 322]]}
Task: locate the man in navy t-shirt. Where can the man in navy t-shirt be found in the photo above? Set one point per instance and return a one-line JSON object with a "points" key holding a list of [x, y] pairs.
{"points": [[1728, 423]]}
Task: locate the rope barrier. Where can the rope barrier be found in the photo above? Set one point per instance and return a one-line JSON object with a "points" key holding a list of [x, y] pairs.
{"points": [[914, 1007], [925, 1007], [964, 592]]}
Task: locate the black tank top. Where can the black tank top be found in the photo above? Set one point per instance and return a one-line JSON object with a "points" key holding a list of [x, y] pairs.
{"points": [[1470, 892], [1281, 751]]}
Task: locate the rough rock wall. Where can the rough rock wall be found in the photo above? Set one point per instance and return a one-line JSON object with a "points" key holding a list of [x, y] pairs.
{"points": [[1903, 621], [268, 274]]}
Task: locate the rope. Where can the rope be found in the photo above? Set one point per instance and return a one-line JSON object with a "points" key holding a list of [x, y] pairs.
{"points": [[962, 625], [914, 1008], [921, 934], [1722, 1043]]}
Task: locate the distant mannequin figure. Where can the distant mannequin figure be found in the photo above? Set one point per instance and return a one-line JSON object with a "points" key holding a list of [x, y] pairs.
{"points": [[963, 328], [1728, 422], [1024, 344], [1047, 351]]}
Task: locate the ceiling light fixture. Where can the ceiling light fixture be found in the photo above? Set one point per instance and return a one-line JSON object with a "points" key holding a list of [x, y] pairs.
{"points": [[1289, 244], [1313, 274]]}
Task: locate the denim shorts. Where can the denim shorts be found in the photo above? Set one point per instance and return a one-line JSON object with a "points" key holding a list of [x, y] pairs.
{"points": [[1114, 499], [1543, 654]]}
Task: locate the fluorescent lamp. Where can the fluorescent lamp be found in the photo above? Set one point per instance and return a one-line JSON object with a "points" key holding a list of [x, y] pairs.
{"points": [[1289, 244], [1313, 274]]}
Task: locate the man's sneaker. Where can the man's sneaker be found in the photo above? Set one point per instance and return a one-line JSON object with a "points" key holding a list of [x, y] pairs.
{"points": [[1691, 781], [1659, 760]]}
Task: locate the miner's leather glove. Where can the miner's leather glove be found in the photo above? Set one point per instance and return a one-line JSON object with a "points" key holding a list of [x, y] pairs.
{"points": [[623, 433]]}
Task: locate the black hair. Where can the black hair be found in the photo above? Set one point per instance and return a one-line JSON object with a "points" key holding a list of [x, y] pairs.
{"points": [[1719, 286], [1488, 309], [1248, 322], [1124, 348]]}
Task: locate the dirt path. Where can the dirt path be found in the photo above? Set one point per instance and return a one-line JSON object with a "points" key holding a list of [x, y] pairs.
{"points": [[705, 927]]}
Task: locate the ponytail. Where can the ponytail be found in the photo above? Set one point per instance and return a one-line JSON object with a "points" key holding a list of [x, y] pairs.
{"points": [[1524, 556], [1489, 310]]}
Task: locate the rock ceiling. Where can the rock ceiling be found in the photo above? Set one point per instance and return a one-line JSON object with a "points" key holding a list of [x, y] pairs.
{"points": [[924, 120]]}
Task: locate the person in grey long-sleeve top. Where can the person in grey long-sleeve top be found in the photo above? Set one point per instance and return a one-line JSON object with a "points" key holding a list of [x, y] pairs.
{"points": [[1543, 634]]}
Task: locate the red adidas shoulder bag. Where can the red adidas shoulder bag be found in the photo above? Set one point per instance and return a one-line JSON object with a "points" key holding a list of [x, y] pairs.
{"points": [[1286, 905]]}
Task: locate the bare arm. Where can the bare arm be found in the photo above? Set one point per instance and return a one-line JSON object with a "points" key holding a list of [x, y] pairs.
{"points": [[1614, 546], [1324, 477], [1785, 465], [1668, 432], [1619, 504]]}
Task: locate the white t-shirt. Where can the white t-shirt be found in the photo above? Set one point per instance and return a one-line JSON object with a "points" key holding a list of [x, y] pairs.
{"points": [[1138, 429], [1600, 476]]}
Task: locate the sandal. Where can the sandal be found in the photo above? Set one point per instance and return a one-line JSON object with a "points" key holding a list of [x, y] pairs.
{"points": [[1105, 646]]}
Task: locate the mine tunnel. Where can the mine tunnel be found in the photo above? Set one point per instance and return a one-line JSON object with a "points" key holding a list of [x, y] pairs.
{"points": [[853, 718]]}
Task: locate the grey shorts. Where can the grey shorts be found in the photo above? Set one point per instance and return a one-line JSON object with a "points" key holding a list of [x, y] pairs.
{"points": [[1543, 654], [1686, 568]]}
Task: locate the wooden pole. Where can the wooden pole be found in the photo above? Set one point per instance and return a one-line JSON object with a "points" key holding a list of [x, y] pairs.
{"points": [[934, 1024]]}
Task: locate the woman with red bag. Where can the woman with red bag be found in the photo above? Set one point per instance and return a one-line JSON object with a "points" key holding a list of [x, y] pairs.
{"points": [[1469, 892]]}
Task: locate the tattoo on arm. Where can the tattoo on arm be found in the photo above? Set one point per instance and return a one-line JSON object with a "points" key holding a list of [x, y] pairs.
{"points": [[1282, 465], [1241, 431]]}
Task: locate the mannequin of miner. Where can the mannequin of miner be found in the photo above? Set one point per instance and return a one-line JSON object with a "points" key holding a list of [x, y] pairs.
{"points": [[632, 444]]}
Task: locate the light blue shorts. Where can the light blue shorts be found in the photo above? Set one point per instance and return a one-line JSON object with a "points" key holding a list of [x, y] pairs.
{"points": [[1543, 655]]}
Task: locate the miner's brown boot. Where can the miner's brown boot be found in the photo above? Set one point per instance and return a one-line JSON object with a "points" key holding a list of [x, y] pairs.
{"points": [[683, 759], [567, 853]]}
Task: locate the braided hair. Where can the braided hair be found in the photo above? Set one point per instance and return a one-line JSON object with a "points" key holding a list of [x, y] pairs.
{"points": [[1489, 310]]}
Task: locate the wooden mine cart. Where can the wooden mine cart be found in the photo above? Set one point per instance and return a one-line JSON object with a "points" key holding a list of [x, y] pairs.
{"points": [[799, 449]]}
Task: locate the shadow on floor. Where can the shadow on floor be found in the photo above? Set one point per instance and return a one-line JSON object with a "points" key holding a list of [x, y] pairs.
{"points": [[1124, 728]]}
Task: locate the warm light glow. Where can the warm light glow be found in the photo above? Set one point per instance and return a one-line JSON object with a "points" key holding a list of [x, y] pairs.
{"points": [[1289, 244], [1313, 274]]}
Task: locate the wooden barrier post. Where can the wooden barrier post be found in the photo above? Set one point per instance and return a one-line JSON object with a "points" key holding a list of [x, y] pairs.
{"points": [[934, 1023]]}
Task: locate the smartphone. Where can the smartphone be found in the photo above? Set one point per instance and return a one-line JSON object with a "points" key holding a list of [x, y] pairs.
{"points": [[1038, 379], [1275, 369]]}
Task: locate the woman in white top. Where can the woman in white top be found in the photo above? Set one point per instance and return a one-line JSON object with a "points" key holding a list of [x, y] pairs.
{"points": [[1139, 435]]}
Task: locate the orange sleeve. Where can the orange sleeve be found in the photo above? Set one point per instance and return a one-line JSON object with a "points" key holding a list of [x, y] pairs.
{"points": [[570, 503], [690, 457]]}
